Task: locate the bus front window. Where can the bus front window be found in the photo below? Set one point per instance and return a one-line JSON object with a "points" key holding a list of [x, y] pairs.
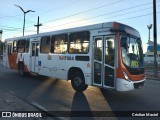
{"points": [[132, 53]]}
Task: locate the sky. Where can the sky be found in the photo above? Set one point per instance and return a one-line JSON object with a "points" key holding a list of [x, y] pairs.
{"points": [[62, 14]]}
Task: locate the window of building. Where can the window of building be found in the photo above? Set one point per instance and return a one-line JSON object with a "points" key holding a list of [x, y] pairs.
{"points": [[45, 44], [21, 45], [79, 43], [59, 44]]}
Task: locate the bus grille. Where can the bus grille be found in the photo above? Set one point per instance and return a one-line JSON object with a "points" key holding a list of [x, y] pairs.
{"points": [[138, 85]]}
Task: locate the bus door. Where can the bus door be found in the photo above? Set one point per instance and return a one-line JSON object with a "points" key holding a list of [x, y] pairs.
{"points": [[34, 56], [104, 61]]}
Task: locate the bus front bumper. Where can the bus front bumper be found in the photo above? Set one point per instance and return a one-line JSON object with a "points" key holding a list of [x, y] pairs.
{"points": [[127, 85]]}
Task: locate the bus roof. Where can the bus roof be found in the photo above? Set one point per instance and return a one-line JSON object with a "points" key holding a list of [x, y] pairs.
{"points": [[110, 25]]}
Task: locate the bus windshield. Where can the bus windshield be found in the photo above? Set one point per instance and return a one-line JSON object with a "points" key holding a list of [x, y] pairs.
{"points": [[132, 53]]}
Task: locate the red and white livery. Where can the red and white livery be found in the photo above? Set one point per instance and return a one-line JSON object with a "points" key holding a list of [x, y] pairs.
{"points": [[107, 55]]}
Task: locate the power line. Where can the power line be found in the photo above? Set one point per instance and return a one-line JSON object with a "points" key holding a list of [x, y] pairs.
{"points": [[101, 7], [132, 12], [9, 27], [105, 15], [130, 17], [99, 15], [70, 3], [138, 16], [29, 21], [98, 8], [87, 11], [10, 17], [109, 13], [6, 16]]}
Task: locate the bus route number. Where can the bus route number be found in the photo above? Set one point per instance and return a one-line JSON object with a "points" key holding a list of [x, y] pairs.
{"points": [[134, 64]]}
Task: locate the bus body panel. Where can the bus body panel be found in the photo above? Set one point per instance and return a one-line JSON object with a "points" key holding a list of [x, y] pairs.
{"points": [[123, 85], [58, 65]]}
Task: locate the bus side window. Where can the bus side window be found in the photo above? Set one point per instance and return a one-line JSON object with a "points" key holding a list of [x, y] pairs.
{"points": [[59, 44], [52, 44], [15, 46], [45, 44], [21, 46], [27, 46], [9, 49], [79, 43]]}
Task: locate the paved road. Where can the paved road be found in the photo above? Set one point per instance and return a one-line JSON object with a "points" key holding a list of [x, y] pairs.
{"points": [[57, 95]]}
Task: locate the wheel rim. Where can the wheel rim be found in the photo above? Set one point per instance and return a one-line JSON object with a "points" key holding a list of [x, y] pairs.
{"points": [[77, 81]]}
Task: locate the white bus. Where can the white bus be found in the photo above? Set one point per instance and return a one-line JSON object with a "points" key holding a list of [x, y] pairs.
{"points": [[107, 55]]}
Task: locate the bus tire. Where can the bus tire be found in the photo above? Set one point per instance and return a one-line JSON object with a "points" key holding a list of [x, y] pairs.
{"points": [[78, 82], [21, 70]]}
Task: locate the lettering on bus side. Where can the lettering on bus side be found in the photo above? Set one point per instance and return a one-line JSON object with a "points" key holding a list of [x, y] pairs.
{"points": [[102, 31], [66, 58]]}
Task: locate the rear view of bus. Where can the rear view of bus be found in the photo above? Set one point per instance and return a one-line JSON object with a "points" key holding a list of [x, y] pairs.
{"points": [[130, 71]]}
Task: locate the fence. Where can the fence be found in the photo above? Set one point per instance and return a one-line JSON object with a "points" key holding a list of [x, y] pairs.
{"points": [[149, 69]]}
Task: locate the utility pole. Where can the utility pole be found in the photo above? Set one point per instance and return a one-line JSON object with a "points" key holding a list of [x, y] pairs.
{"points": [[1, 43], [1, 35], [38, 25], [149, 28], [155, 37]]}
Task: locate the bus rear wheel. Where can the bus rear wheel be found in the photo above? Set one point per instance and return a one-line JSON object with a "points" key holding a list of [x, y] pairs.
{"points": [[78, 82], [21, 70]]}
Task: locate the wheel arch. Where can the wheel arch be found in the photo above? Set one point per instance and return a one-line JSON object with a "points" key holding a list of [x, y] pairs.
{"points": [[74, 70], [77, 78]]}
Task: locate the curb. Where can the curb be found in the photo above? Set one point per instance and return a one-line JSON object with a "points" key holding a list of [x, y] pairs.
{"points": [[11, 103]]}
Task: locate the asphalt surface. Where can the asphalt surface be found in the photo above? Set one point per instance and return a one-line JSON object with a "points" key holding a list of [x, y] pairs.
{"points": [[50, 94]]}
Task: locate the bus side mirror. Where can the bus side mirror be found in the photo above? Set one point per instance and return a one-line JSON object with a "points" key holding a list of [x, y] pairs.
{"points": [[124, 42]]}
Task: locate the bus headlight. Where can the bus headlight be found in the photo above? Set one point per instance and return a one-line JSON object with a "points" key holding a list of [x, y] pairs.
{"points": [[125, 76]]}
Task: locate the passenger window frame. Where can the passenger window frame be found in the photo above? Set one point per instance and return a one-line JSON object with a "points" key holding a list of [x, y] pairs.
{"points": [[83, 38], [45, 46]]}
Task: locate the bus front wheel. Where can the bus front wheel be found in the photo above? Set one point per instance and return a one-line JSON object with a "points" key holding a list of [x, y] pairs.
{"points": [[78, 82]]}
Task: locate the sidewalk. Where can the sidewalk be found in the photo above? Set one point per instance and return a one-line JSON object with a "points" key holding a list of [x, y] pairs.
{"points": [[10, 103]]}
